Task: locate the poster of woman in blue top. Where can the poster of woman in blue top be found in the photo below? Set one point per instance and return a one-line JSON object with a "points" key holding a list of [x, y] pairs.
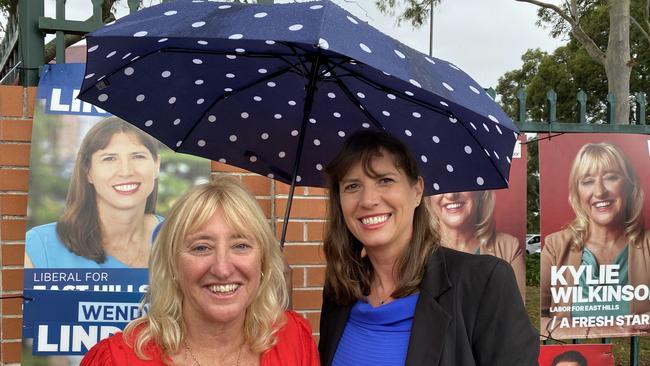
{"points": [[99, 187], [595, 263], [109, 214]]}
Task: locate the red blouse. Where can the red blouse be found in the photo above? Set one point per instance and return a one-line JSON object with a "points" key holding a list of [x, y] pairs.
{"points": [[295, 347]]}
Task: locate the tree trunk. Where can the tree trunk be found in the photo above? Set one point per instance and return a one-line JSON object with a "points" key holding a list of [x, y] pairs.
{"points": [[617, 64]]}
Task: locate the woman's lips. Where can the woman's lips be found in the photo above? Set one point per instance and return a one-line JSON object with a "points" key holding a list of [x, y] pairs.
{"points": [[453, 206], [374, 220], [126, 188]]}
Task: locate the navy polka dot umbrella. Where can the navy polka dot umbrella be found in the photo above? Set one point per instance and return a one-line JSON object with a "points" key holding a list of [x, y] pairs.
{"points": [[275, 89]]}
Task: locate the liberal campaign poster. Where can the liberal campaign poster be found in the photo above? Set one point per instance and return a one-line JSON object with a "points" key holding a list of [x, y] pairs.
{"points": [[595, 263], [576, 355], [99, 187], [489, 222]]}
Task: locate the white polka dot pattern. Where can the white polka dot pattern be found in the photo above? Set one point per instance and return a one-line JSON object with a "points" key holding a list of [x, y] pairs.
{"points": [[236, 93]]}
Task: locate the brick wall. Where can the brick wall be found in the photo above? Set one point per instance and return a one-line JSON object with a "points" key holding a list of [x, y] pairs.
{"points": [[304, 235], [16, 111]]}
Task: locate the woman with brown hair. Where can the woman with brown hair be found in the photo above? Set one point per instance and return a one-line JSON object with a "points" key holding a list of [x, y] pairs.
{"points": [[466, 222], [110, 209], [392, 294]]}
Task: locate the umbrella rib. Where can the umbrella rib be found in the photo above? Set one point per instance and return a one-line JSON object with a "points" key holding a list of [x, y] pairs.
{"points": [[397, 93], [230, 94], [355, 100]]}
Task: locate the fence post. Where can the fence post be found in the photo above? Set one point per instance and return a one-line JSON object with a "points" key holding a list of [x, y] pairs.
{"points": [[551, 105], [521, 106], [635, 344], [60, 35], [640, 101], [611, 107], [30, 41], [582, 106], [134, 5]]}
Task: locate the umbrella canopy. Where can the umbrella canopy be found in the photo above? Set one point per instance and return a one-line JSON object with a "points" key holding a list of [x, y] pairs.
{"points": [[275, 89]]}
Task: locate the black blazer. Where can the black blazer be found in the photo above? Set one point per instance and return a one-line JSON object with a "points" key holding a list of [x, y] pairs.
{"points": [[469, 313]]}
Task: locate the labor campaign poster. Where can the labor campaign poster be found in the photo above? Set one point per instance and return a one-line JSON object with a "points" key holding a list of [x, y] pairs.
{"points": [[595, 262], [99, 189], [576, 355], [489, 222]]}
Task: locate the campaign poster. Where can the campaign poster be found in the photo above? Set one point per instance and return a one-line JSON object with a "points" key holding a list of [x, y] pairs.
{"points": [[576, 355], [595, 262], [489, 222], [99, 187]]}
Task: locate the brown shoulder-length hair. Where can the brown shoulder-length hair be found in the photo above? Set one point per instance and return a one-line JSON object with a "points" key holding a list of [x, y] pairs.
{"points": [[79, 227], [349, 272], [589, 159]]}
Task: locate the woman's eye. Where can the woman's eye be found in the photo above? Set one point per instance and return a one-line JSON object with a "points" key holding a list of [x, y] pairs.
{"points": [[386, 180], [140, 156], [200, 248], [109, 158], [242, 246], [586, 182], [612, 177], [350, 187]]}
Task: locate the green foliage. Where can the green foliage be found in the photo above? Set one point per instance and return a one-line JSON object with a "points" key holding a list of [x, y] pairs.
{"points": [[532, 269], [532, 187], [415, 11]]}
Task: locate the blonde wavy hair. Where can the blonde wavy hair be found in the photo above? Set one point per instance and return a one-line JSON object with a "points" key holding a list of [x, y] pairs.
{"points": [[589, 159], [485, 225], [163, 324]]}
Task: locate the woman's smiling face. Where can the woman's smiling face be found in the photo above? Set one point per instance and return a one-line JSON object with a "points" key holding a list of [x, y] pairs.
{"points": [[378, 210], [602, 196], [455, 210], [124, 172]]}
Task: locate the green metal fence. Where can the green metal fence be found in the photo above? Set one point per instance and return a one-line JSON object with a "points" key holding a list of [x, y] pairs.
{"points": [[22, 57]]}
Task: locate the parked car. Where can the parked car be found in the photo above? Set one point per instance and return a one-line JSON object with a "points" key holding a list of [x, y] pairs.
{"points": [[533, 243]]}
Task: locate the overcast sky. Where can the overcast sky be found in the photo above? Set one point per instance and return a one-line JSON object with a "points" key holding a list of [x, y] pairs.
{"points": [[485, 38]]}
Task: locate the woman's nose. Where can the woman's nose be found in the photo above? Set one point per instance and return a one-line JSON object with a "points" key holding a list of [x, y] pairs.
{"points": [[126, 167], [601, 190], [369, 196], [222, 266]]}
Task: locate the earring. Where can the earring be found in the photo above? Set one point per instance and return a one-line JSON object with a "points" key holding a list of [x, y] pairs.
{"points": [[262, 275]]}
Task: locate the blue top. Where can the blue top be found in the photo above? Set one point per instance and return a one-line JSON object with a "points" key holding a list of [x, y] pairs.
{"points": [[609, 308], [377, 336], [46, 250]]}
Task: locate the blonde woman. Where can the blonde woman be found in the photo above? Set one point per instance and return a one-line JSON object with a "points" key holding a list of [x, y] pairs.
{"points": [[217, 295], [607, 198], [466, 223]]}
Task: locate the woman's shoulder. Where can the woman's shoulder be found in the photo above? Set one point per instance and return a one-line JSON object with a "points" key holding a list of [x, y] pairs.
{"points": [[295, 344], [111, 351], [44, 231], [558, 240], [295, 325]]}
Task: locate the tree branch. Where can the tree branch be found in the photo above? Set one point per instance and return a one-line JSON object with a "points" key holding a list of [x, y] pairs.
{"points": [[590, 46], [640, 28]]}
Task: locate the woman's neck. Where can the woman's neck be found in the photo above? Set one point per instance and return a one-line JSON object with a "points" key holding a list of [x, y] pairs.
{"points": [[459, 239], [607, 237], [126, 234]]}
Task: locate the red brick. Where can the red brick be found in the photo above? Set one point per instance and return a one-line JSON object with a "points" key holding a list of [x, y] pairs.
{"points": [[11, 352], [13, 254], [225, 168], [315, 191], [298, 277], [314, 321], [11, 101], [315, 231], [13, 229], [14, 180], [31, 100], [12, 328], [16, 130], [315, 276], [282, 188], [13, 204], [257, 184], [12, 279], [295, 231], [302, 208], [307, 299], [304, 254], [12, 306], [14, 155]]}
